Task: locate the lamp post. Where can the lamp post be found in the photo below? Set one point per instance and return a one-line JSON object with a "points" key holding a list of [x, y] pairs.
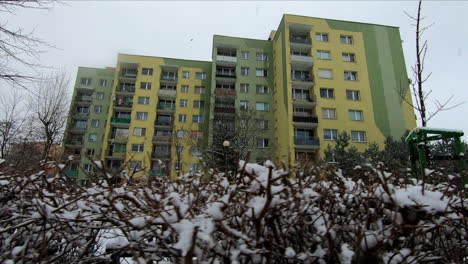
{"points": [[226, 145]]}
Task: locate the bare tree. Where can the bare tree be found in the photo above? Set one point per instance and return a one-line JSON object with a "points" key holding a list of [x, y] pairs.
{"points": [[12, 119], [419, 76], [50, 106], [19, 48]]}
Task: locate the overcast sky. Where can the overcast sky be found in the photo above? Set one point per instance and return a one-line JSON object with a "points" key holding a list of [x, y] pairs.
{"points": [[91, 33]]}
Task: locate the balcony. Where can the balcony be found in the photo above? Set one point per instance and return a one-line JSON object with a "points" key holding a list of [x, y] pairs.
{"points": [[85, 89], [164, 123], [302, 81], [125, 89], [161, 155], [120, 122], [226, 60], [84, 99], [162, 139], [302, 62], [116, 155], [157, 172], [118, 139], [128, 74], [77, 130], [301, 101], [165, 93], [123, 104], [224, 109], [300, 39], [71, 173], [306, 143], [81, 115], [225, 92], [73, 143], [305, 121], [166, 107]]}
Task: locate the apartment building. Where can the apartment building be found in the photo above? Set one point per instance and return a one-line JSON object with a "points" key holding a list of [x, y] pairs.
{"points": [[311, 79]]}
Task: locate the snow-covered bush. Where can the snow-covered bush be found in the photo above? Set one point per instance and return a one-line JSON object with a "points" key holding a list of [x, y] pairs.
{"points": [[265, 216]]}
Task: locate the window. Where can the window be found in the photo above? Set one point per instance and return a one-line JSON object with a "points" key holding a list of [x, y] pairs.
{"points": [[183, 103], [261, 73], [182, 118], [147, 71], [323, 55], [80, 123], [358, 136], [100, 96], [244, 105], [262, 124], [329, 113], [143, 100], [353, 95], [92, 137], [184, 89], [350, 75], [245, 55], [301, 94], [180, 133], [137, 147], [263, 142], [145, 85], [259, 106], [262, 56], [327, 93], [121, 132], [197, 119], [326, 74], [88, 167], [355, 115], [85, 81], [95, 123], [142, 115], [348, 57], [197, 134], [262, 89], [135, 165], [330, 134], [90, 152], [180, 150], [185, 74], [321, 37], [119, 148], [200, 75], [199, 89], [102, 82], [98, 108], [198, 104], [244, 71], [244, 87], [346, 39], [82, 110], [139, 131]]}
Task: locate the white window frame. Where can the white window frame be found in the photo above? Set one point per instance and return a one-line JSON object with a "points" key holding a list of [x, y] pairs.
{"points": [[350, 76], [244, 55], [244, 105], [86, 81], [261, 56], [147, 71], [135, 165], [320, 37], [355, 115], [260, 72], [198, 104], [182, 118], [320, 54], [95, 123], [358, 136], [261, 89], [328, 93], [329, 113], [100, 96], [262, 124], [145, 85], [245, 71], [185, 74], [346, 39], [102, 82], [98, 108], [333, 134], [348, 57], [198, 119], [200, 75], [264, 106], [92, 137], [141, 115], [139, 131], [263, 142], [139, 148], [184, 89], [180, 133], [144, 100], [353, 95], [183, 103], [244, 87], [200, 89]]}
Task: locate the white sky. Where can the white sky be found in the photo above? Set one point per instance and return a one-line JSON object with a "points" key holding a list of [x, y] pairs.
{"points": [[91, 33]]}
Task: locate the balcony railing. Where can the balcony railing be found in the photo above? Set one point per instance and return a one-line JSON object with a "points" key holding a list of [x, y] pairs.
{"points": [[302, 40], [74, 142], [126, 89], [161, 155], [169, 78], [165, 139], [119, 120], [225, 75], [226, 58], [166, 107], [302, 78], [157, 173], [162, 123], [84, 98], [305, 119], [71, 173], [306, 141], [230, 92], [223, 109]]}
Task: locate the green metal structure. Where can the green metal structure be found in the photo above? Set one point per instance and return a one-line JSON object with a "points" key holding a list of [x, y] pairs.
{"points": [[417, 140]]}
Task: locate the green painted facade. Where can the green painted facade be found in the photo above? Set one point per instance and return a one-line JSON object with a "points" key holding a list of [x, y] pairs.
{"points": [[87, 119]]}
